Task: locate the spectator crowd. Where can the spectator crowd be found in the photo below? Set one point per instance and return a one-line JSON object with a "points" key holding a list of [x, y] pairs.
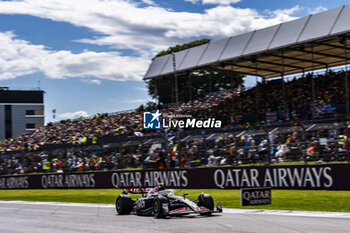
{"points": [[235, 108]]}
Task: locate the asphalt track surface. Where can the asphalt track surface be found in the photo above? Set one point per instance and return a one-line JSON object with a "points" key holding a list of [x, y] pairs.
{"points": [[63, 218]]}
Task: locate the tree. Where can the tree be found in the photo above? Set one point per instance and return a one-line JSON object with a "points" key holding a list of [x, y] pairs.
{"points": [[193, 84], [178, 47]]}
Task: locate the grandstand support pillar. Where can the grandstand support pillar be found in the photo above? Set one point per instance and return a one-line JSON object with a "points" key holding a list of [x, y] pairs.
{"points": [[172, 90], [312, 82], [284, 102], [346, 77], [256, 99], [189, 86], [175, 79], [285, 106], [176, 91], [233, 87], [256, 92], [210, 83]]}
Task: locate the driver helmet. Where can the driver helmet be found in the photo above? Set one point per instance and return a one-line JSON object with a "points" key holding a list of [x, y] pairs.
{"points": [[160, 187]]}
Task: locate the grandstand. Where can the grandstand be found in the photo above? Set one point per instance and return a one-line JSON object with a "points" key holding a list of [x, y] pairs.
{"points": [[304, 119], [313, 42]]}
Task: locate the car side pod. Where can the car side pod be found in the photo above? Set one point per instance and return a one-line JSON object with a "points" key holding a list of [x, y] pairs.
{"points": [[218, 207]]}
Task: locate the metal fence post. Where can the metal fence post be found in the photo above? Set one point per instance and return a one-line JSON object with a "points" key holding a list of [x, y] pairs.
{"points": [[304, 139]]}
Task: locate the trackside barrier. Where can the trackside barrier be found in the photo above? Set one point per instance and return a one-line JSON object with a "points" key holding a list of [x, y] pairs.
{"points": [[318, 177]]}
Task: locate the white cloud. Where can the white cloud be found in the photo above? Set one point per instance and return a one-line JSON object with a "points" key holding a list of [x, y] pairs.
{"points": [[289, 11], [149, 2], [225, 21], [73, 115], [192, 1], [214, 2], [316, 10], [127, 25], [91, 81], [220, 2], [120, 24], [19, 57]]}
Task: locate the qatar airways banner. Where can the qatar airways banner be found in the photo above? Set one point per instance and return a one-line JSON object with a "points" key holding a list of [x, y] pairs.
{"points": [[323, 177]]}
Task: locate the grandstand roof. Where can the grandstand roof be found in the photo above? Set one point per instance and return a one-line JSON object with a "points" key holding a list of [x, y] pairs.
{"points": [[286, 48]]}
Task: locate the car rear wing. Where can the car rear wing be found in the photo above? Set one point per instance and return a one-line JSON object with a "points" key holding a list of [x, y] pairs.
{"points": [[137, 190]]}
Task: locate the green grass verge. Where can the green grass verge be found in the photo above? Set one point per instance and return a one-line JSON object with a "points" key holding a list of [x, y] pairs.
{"points": [[281, 199]]}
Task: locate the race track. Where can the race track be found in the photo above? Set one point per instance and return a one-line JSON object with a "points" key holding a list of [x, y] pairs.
{"points": [[63, 218]]}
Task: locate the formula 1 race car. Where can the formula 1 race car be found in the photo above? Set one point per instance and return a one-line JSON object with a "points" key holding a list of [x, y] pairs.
{"points": [[161, 202]]}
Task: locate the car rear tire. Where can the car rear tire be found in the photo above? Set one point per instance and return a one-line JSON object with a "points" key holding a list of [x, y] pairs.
{"points": [[158, 206], [123, 204], [207, 201]]}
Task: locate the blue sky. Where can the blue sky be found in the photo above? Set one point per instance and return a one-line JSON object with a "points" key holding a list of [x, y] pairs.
{"points": [[90, 55]]}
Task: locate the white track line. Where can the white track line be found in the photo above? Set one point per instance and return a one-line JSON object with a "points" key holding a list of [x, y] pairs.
{"points": [[299, 213], [59, 204], [322, 214]]}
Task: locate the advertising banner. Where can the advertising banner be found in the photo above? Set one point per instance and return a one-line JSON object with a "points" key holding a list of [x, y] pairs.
{"points": [[255, 196], [322, 177]]}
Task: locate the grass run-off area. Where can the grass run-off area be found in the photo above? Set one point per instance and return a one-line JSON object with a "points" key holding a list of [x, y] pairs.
{"points": [[281, 199]]}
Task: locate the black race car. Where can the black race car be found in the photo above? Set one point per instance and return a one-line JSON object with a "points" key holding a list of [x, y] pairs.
{"points": [[161, 202]]}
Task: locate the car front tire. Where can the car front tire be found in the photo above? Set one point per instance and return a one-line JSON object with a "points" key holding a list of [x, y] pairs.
{"points": [[158, 206], [207, 201], [123, 204]]}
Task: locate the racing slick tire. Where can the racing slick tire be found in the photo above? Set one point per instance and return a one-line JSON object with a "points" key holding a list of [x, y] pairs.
{"points": [[158, 206], [123, 204], [207, 201]]}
